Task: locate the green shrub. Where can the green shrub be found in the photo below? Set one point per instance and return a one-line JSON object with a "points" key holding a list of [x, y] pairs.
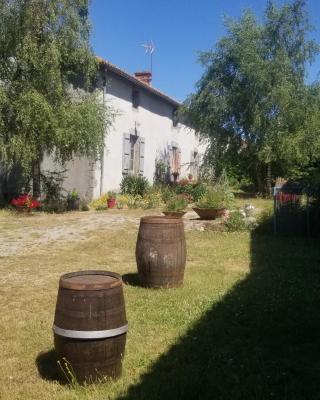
{"points": [[84, 205], [217, 196], [101, 207], [100, 203], [134, 201], [166, 193], [134, 185], [236, 222], [152, 199], [177, 203], [55, 205], [194, 189]]}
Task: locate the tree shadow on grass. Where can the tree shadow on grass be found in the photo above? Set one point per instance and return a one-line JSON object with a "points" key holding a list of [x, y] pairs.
{"points": [[261, 341]]}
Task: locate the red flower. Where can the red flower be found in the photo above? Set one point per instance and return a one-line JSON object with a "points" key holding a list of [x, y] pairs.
{"points": [[25, 201]]}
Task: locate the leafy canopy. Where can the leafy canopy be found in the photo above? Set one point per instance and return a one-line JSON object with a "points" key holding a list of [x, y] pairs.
{"points": [[47, 72], [252, 102]]}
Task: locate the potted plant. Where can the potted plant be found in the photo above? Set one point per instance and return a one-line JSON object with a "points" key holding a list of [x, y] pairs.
{"points": [[111, 199], [73, 201], [176, 206], [25, 203], [214, 202]]}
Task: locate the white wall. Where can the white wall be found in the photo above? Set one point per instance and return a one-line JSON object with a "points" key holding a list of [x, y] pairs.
{"points": [[81, 174], [153, 119]]}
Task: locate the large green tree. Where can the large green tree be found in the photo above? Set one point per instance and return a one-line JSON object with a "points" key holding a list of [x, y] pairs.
{"points": [[47, 75], [252, 101]]}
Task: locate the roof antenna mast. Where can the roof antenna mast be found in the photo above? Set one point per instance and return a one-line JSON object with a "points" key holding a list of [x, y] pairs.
{"points": [[149, 49]]}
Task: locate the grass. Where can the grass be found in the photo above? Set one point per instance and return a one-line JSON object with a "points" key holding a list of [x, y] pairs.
{"points": [[245, 325]]}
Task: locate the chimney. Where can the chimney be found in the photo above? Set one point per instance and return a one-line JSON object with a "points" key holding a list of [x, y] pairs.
{"points": [[144, 76]]}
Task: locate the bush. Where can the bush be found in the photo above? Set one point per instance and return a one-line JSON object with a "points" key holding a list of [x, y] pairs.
{"points": [[166, 193], [55, 205], [216, 197], [84, 205], [134, 185], [100, 204], [194, 189], [236, 222], [177, 203], [134, 201], [152, 199], [54, 201]]}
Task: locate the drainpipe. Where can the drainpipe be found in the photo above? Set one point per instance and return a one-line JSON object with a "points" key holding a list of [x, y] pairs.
{"points": [[104, 92]]}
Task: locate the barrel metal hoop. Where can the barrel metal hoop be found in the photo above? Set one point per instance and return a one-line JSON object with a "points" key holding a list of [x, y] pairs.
{"points": [[90, 334]]}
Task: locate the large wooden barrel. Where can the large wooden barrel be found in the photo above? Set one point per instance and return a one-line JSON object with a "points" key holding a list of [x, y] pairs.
{"points": [[161, 252], [90, 325]]}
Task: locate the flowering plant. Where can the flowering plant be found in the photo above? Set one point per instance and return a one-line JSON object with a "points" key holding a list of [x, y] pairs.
{"points": [[177, 203], [25, 201]]}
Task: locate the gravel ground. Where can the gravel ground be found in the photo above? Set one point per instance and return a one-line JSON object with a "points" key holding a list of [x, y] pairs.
{"points": [[21, 234]]}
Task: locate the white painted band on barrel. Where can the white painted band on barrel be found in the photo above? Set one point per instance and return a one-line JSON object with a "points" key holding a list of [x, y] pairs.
{"points": [[90, 334]]}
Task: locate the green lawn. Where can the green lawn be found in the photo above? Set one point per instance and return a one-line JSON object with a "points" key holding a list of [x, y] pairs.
{"points": [[245, 325]]}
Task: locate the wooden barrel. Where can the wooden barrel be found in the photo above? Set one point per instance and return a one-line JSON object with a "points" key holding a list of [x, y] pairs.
{"points": [[90, 325], [161, 252]]}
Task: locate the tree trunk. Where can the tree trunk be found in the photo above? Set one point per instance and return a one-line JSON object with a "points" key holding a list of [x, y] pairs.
{"points": [[259, 178], [268, 181], [36, 179]]}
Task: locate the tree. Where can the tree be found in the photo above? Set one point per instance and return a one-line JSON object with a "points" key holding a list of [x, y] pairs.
{"points": [[47, 76], [252, 102]]}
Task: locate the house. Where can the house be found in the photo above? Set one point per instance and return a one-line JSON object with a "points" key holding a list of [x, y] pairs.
{"points": [[146, 138]]}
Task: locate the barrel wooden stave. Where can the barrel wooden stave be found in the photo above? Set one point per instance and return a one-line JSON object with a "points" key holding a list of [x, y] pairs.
{"points": [[89, 305], [91, 360], [90, 310], [161, 252]]}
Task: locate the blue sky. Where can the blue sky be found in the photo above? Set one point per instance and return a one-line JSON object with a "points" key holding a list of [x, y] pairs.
{"points": [[178, 28]]}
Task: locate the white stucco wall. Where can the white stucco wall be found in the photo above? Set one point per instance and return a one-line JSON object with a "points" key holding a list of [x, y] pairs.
{"points": [[153, 122]]}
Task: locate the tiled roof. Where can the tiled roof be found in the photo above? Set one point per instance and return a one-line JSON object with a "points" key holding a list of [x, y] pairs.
{"points": [[120, 72]]}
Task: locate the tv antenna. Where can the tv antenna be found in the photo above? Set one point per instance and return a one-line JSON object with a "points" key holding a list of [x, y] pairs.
{"points": [[149, 49]]}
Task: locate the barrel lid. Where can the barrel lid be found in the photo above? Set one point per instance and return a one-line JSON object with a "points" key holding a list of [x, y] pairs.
{"points": [[90, 280], [160, 219]]}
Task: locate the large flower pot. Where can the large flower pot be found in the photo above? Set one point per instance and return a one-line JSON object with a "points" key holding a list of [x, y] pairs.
{"points": [[111, 203], [174, 214], [209, 213]]}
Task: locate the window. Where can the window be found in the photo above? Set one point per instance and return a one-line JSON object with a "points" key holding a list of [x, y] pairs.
{"points": [[194, 164], [174, 160], [135, 98], [133, 155]]}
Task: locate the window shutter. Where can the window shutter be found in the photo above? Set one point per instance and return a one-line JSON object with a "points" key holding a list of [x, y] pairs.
{"points": [[179, 161], [141, 148], [126, 154]]}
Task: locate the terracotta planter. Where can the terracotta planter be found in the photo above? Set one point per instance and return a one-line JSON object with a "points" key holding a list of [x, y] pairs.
{"points": [[209, 213], [111, 203], [174, 214]]}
